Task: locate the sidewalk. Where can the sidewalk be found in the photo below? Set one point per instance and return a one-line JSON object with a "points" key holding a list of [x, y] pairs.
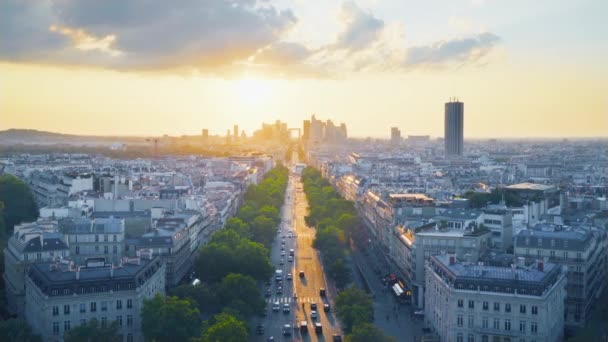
{"points": [[393, 318]]}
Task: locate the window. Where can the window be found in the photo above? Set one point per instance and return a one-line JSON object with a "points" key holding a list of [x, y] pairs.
{"points": [[129, 337], [484, 322], [96, 248], [484, 338], [496, 323], [522, 309], [56, 311], [471, 321], [96, 238], [460, 303], [119, 320], [496, 306], [522, 326], [459, 338], [66, 309], [507, 307], [104, 306], [83, 308], [459, 320], [38, 256], [552, 254], [539, 253], [104, 321], [471, 304], [115, 238], [105, 249], [55, 328], [129, 320], [534, 328], [77, 249], [118, 304], [115, 249], [534, 310], [471, 338], [66, 326], [93, 306], [105, 238], [507, 324], [485, 306], [129, 303]]}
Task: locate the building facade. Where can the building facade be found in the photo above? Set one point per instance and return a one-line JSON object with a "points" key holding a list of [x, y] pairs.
{"points": [[471, 302], [60, 296], [453, 126]]}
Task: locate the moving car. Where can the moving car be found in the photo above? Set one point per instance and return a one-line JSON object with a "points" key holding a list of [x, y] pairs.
{"points": [[419, 313], [290, 258], [289, 276], [268, 293], [313, 306], [304, 327], [286, 308], [326, 307], [280, 290], [313, 314], [318, 328], [337, 338], [287, 330], [260, 329], [301, 274], [322, 292], [276, 306]]}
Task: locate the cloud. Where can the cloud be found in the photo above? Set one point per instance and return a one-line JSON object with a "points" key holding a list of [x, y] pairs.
{"points": [[139, 34], [460, 50], [360, 29], [283, 53]]}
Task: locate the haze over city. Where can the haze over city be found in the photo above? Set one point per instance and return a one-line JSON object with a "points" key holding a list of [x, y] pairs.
{"points": [[524, 69]]}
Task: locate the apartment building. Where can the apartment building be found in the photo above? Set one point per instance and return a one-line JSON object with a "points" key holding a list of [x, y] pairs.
{"points": [[472, 302]]}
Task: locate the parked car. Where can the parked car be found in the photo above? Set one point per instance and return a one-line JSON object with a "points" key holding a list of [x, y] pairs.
{"points": [[337, 338], [419, 313], [260, 329], [322, 292]]}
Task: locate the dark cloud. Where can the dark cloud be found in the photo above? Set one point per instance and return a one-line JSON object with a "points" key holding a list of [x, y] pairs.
{"points": [[456, 50], [149, 34], [361, 28]]}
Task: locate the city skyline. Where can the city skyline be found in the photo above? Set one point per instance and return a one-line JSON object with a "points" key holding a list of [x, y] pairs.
{"points": [[373, 65]]}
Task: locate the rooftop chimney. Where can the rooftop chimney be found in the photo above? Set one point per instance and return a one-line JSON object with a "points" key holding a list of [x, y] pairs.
{"points": [[452, 260], [78, 273], [541, 266]]}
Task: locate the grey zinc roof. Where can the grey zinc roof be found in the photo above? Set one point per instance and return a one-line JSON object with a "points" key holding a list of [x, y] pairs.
{"points": [[575, 240], [461, 214], [83, 226], [51, 242]]}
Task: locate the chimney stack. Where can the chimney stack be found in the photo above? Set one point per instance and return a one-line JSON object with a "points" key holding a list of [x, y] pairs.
{"points": [[452, 260], [541, 266], [78, 273]]}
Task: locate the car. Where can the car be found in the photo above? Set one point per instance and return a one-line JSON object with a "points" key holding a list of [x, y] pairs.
{"points": [[336, 338], [289, 277], [304, 327], [282, 248], [283, 253], [287, 330], [322, 292], [326, 307], [268, 293], [280, 290], [290, 258], [313, 306], [286, 308], [260, 329], [270, 338], [318, 328], [282, 262], [419, 313], [276, 306], [314, 315], [301, 274]]}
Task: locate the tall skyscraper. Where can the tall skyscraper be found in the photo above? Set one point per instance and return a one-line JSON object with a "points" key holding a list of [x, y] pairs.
{"points": [[205, 133], [306, 133], [454, 123], [395, 136], [235, 135]]}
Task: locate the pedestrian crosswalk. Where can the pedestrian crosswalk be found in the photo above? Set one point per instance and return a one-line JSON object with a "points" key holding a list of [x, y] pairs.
{"points": [[293, 300]]}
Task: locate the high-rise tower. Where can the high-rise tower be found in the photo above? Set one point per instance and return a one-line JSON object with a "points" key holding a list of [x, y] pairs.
{"points": [[454, 123]]}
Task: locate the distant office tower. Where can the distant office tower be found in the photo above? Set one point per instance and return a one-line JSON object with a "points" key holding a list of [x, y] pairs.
{"points": [[306, 128], [395, 135], [236, 133], [205, 134], [454, 122], [228, 138]]}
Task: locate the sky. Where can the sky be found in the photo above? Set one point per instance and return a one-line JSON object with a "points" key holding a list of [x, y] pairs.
{"points": [[151, 67]]}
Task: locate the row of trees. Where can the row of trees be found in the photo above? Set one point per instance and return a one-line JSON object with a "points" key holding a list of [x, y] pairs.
{"points": [[336, 222], [356, 312], [17, 205], [229, 267]]}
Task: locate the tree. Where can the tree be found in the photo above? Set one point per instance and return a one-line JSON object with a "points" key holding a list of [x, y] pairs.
{"points": [[17, 330], [19, 204], [238, 226], [226, 328], [270, 212], [241, 293], [354, 307], [247, 212], [340, 273], [263, 230], [368, 332], [203, 295], [170, 319], [92, 331]]}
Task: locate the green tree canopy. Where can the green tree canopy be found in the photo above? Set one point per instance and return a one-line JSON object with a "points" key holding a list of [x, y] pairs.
{"points": [[17, 330], [238, 226], [204, 295], [170, 319], [226, 328], [240, 293], [19, 204], [354, 307], [368, 332], [263, 230], [92, 331]]}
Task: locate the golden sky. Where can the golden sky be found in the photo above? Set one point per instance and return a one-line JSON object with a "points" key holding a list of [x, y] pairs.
{"points": [[109, 73]]}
